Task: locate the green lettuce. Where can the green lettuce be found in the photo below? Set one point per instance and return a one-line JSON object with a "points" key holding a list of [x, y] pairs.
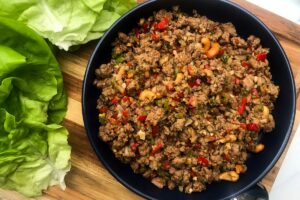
{"points": [[34, 151], [68, 23]]}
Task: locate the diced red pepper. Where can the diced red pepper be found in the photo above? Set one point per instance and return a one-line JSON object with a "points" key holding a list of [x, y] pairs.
{"points": [[126, 113], [114, 121], [242, 105], [103, 109], [245, 64], [155, 36], [115, 100], [253, 127], [261, 57], [190, 70], [221, 52], [203, 161], [155, 130], [163, 23], [226, 157], [134, 146], [193, 101], [126, 99], [142, 118], [167, 165], [243, 126], [237, 81], [156, 149], [146, 27]]}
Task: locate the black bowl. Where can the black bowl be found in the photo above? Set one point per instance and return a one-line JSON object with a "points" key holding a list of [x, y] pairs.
{"points": [[275, 142]]}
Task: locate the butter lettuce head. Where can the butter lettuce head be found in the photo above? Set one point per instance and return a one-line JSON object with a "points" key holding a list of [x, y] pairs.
{"points": [[34, 151], [66, 23]]}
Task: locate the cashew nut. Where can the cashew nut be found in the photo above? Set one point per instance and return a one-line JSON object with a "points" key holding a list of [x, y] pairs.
{"points": [[258, 148], [147, 94], [213, 51], [206, 44], [266, 112], [240, 169], [229, 176], [141, 134], [193, 136], [228, 138], [179, 78]]}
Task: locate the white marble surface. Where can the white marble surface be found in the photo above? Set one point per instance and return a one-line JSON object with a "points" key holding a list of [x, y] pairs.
{"points": [[289, 9], [287, 182]]}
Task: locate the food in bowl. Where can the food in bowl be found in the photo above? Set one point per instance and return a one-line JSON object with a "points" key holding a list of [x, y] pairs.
{"points": [[184, 99]]}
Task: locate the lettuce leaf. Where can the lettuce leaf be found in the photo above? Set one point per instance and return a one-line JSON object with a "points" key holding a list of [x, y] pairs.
{"points": [[67, 24], [34, 151]]}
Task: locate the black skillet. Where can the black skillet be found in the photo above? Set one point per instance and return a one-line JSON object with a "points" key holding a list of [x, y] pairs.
{"points": [[258, 164]]}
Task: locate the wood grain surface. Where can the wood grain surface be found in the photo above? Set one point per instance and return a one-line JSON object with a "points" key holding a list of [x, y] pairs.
{"points": [[88, 179]]}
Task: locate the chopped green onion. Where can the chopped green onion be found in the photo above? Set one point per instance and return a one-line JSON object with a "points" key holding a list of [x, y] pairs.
{"points": [[224, 58], [179, 115]]}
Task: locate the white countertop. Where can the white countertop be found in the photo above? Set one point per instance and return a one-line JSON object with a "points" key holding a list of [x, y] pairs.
{"points": [[287, 182]]}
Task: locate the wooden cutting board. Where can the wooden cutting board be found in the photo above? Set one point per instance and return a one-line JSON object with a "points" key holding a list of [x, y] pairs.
{"points": [[88, 179]]}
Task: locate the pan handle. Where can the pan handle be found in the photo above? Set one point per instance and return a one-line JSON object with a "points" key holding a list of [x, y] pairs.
{"points": [[256, 192]]}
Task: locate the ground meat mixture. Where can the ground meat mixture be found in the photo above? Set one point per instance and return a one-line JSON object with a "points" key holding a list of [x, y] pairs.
{"points": [[185, 99]]}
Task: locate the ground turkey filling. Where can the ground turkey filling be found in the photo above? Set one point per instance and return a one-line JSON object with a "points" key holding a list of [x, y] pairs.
{"points": [[184, 99]]}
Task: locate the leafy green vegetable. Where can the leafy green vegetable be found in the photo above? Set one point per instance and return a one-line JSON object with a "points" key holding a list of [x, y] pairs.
{"points": [[34, 151], [66, 24]]}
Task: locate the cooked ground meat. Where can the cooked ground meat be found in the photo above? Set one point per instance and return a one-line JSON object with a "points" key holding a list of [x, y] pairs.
{"points": [[185, 99]]}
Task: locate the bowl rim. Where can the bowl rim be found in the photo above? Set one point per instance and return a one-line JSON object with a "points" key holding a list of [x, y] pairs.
{"points": [[120, 179]]}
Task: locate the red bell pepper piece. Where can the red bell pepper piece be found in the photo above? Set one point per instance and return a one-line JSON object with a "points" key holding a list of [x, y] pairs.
{"points": [[203, 161], [237, 81], [243, 126], [245, 64], [226, 157], [156, 149], [154, 36], [134, 146], [115, 101], [190, 70], [126, 113], [167, 165], [242, 105], [125, 99], [253, 127], [142, 118], [103, 109], [163, 23], [261, 57]]}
